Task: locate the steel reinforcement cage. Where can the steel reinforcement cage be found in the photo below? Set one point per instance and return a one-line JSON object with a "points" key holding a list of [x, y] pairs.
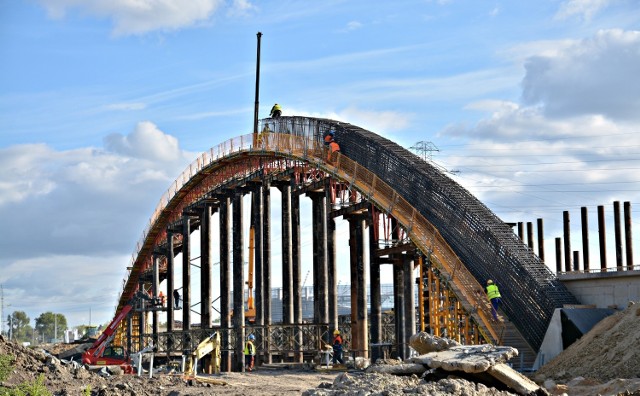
{"points": [[486, 245]]}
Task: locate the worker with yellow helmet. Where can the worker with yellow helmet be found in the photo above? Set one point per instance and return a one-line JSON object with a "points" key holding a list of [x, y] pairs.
{"points": [[337, 347], [493, 293]]}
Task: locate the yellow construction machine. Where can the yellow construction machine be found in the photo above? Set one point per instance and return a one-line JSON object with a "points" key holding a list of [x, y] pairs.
{"points": [[210, 345]]}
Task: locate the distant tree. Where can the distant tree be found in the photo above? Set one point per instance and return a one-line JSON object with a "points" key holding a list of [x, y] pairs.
{"points": [[19, 326], [46, 325]]}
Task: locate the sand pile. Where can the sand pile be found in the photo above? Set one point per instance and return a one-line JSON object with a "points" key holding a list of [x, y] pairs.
{"points": [[611, 350]]}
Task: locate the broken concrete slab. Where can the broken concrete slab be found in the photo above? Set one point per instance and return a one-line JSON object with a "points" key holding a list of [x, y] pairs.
{"points": [[398, 369], [515, 380], [424, 343], [467, 358]]}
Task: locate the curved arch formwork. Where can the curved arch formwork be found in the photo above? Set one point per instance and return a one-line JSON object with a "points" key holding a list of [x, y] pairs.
{"points": [[442, 219]]}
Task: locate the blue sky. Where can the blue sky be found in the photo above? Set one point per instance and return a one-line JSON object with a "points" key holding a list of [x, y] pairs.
{"points": [[104, 103]]}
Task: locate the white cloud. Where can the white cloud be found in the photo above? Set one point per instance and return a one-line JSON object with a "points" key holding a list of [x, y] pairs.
{"points": [[582, 8], [146, 141], [594, 76], [241, 8], [372, 120], [127, 106], [572, 142], [85, 194], [353, 25], [68, 284], [137, 17]]}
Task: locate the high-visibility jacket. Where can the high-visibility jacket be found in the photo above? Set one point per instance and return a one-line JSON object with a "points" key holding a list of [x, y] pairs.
{"points": [[493, 292], [333, 148], [249, 348]]}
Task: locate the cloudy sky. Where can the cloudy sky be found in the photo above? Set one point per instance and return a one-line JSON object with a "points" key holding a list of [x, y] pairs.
{"points": [[536, 104]]}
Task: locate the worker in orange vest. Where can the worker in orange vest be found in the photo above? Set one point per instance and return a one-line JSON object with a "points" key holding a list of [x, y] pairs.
{"points": [[334, 147]]}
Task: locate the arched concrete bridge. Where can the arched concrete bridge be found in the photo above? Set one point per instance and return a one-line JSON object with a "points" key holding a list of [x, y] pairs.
{"points": [[436, 227]]}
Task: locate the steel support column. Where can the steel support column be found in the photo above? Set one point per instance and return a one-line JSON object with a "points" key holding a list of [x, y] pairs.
{"points": [[398, 306], [617, 224], [266, 260], [225, 285], [287, 269], [297, 275], [602, 238], [358, 287], [257, 224], [332, 276], [628, 241], [205, 267], [374, 287], [238, 283], [320, 306], [186, 280], [170, 286], [409, 302], [155, 286]]}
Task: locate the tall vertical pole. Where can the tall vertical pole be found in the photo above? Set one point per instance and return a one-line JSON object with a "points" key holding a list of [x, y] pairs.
{"points": [[186, 281], [238, 282], [541, 239], [567, 241], [603, 238], [585, 238], [205, 267], [225, 284], [628, 241], [255, 111], [618, 233]]}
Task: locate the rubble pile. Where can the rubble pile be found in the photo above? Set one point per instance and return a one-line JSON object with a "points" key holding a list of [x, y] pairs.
{"points": [[71, 378], [444, 367], [363, 384]]}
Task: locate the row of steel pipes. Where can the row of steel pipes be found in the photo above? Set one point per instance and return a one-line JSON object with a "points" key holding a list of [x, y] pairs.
{"points": [[572, 258], [228, 203]]}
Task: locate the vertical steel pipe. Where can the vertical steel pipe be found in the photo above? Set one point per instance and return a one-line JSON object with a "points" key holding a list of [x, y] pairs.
{"points": [[585, 238], [627, 235], [603, 238]]}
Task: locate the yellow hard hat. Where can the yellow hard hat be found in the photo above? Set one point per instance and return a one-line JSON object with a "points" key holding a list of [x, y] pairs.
{"points": [[489, 282], [336, 332]]}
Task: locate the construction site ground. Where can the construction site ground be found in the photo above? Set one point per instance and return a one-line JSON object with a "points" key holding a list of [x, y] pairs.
{"points": [[605, 361]]}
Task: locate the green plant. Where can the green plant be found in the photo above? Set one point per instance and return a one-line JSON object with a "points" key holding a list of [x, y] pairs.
{"points": [[6, 367], [35, 388], [87, 391]]}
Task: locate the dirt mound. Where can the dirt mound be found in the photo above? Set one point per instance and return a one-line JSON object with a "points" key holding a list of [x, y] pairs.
{"points": [[611, 350]]}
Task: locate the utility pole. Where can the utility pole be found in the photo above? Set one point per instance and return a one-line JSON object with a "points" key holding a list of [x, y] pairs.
{"points": [[425, 151], [1, 310], [255, 111]]}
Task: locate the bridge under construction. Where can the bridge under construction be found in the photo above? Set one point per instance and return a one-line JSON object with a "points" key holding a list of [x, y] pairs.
{"points": [[441, 242]]}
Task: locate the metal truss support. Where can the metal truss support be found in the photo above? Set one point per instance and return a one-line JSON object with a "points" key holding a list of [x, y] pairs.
{"points": [[205, 266]]}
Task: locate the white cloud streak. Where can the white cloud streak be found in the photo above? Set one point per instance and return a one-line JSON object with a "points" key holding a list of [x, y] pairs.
{"points": [[138, 17]]}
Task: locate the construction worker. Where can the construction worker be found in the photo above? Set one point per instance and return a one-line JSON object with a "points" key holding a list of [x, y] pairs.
{"points": [[494, 297], [276, 111], [163, 298], [337, 347], [334, 147], [249, 353], [176, 299]]}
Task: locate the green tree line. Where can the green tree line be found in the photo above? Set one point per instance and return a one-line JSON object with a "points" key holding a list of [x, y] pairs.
{"points": [[47, 324]]}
